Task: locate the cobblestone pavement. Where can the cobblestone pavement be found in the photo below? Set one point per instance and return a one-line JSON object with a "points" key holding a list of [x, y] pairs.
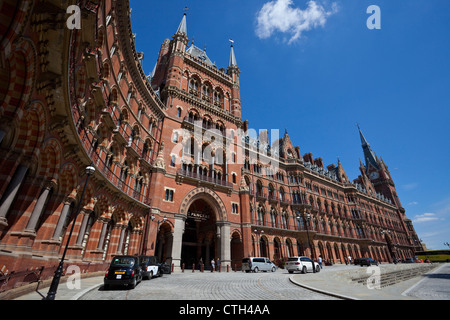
{"points": [[433, 286], [211, 286]]}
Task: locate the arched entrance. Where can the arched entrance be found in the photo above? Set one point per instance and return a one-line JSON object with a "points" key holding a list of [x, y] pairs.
{"points": [[201, 230], [263, 247], [164, 241], [200, 245]]}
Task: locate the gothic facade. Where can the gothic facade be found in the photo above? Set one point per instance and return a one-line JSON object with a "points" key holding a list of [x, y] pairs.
{"points": [[177, 173]]}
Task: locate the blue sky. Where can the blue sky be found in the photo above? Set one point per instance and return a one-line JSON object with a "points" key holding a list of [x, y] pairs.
{"points": [[315, 69]]}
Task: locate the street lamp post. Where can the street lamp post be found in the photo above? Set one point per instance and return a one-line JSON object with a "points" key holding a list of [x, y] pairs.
{"points": [[308, 218], [90, 170]]}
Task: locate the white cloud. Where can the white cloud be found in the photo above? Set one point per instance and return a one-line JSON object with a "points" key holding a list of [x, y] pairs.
{"points": [[426, 217], [279, 15]]}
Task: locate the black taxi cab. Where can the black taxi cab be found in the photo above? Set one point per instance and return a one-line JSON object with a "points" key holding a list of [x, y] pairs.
{"points": [[123, 270]]}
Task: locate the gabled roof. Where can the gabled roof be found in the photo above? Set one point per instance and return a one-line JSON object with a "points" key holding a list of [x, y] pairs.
{"points": [[199, 54]]}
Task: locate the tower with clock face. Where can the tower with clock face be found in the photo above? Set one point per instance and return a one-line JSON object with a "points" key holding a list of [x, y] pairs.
{"points": [[374, 175]]}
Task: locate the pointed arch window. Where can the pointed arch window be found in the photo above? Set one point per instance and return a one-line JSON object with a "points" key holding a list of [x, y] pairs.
{"points": [[273, 218]]}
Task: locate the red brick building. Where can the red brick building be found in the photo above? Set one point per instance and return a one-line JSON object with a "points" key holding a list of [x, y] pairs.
{"points": [[177, 172]]}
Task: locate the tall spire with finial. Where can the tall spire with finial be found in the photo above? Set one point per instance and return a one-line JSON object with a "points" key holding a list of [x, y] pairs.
{"points": [[182, 28], [232, 62], [369, 155]]}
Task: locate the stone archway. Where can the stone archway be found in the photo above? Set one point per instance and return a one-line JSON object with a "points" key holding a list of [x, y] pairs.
{"points": [[200, 242], [201, 230]]}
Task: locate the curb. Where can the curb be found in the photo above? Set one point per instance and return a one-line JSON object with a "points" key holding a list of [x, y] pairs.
{"points": [[82, 293], [332, 294]]}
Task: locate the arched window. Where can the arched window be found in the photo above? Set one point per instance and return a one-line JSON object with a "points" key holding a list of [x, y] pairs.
{"points": [[271, 192], [139, 183], [261, 219], [285, 220], [259, 189], [273, 218], [124, 172], [282, 195], [146, 150]]}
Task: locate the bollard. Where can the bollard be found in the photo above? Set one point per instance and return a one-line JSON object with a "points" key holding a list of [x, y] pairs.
{"points": [[220, 267], [193, 267], [228, 268], [173, 266], [203, 267], [235, 268], [182, 267]]}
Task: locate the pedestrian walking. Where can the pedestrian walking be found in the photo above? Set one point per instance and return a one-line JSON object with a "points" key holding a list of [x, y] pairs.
{"points": [[320, 261], [349, 260], [212, 265], [218, 264]]}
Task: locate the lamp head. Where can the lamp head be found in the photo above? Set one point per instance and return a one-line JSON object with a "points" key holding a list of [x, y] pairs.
{"points": [[90, 170]]}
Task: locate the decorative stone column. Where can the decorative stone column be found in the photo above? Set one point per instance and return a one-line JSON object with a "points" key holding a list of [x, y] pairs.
{"points": [[225, 248], [11, 192], [62, 219], [102, 234], [179, 225], [38, 209], [121, 239]]}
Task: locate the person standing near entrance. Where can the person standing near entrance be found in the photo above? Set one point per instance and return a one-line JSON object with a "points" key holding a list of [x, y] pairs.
{"points": [[218, 264], [212, 265], [320, 262]]}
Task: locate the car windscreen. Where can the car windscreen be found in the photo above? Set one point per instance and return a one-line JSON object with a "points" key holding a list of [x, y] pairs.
{"points": [[123, 261]]}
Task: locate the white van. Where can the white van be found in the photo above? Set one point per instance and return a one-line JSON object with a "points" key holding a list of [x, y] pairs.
{"points": [[258, 264]]}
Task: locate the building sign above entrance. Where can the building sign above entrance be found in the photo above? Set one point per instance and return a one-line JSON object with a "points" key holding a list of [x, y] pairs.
{"points": [[200, 216]]}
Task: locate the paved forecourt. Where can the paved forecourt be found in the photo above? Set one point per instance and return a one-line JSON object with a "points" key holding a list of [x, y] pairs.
{"points": [[330, 284]]}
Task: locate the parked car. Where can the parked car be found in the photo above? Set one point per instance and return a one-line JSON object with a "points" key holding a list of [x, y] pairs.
{"points": [[302, 264], [367, 262], [256, 264], [123, 270], [150, 267]]}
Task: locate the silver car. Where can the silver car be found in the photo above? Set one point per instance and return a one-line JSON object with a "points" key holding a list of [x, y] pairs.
{"points": [[258, 264], [302, 264]]}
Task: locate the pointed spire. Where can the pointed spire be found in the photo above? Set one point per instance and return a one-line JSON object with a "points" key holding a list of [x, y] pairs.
{"points": [[232, 62], [182, 28], [369, 155], [363, 139]]}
